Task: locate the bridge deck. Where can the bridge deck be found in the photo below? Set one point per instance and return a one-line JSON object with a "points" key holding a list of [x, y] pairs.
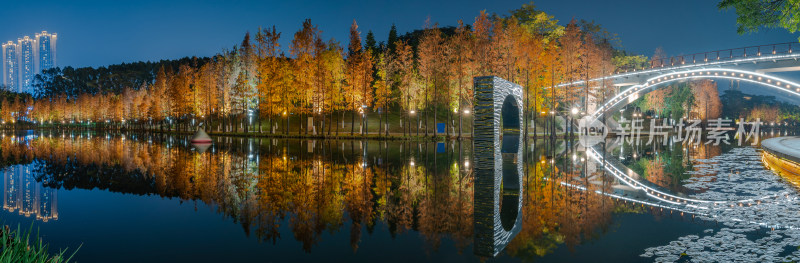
{"points": [[765, 58]]}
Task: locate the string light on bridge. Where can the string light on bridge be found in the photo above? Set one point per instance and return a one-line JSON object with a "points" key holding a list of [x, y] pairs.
{"points": [[734, 74]]}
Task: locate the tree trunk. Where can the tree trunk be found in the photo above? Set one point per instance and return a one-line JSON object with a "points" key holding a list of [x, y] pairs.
{"points": [[435, 111], [460, 124], [386, 114], [340, 120], [427, 107], [330, 123], [322, 124], [449, 121], [418, 124], [352, 123], [404, 116]]}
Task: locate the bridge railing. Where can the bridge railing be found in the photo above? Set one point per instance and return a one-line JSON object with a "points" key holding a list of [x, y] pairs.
{"points": [[718, 55]]}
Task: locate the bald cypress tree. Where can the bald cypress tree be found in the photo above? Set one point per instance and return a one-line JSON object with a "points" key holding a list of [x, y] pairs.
{"points": [[391, 43]]}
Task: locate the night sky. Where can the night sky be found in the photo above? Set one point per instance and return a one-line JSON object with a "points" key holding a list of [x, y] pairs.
{"points": [[96, 33]]}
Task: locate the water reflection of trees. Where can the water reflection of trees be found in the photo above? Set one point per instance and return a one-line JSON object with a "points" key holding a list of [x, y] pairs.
{"points": [[556, 214], [666, 166], [286, 185]]}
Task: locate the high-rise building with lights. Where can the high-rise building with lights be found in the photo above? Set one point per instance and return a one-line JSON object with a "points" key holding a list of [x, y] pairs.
{"points": [[46, 50], [27, 63], [26, 58], [11, 65]]}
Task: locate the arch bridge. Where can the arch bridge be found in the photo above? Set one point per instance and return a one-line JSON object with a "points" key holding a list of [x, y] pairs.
{"points": [[754, 64], [499, 169]]}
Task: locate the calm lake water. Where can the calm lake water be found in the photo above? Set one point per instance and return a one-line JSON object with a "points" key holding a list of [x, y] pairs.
{"points": [[152, 198]]}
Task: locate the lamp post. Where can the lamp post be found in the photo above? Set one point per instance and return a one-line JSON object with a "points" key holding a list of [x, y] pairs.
{"points": [[574, 112]]}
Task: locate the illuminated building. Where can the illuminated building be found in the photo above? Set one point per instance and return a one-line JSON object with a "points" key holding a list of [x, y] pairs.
{"points": [[26, 58], [21, 193], [11, 65], [27, 63], [46, 51]]}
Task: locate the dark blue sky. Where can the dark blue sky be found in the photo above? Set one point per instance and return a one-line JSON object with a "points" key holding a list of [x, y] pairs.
{"points": [[95, 33]]}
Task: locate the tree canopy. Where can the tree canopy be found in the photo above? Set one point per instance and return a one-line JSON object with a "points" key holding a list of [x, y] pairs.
{"points": [[753, 15]]}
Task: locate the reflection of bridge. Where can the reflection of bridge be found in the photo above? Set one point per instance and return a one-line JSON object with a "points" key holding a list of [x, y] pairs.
{"points": [[628, 178], [750, 64], [498, 148], [709, 208]]}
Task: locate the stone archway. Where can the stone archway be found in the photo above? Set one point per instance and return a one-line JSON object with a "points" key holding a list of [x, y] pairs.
{"points": [[498, 166]]}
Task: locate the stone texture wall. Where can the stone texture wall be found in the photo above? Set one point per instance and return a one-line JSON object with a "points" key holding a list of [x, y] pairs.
{"points": [[490, 94]]}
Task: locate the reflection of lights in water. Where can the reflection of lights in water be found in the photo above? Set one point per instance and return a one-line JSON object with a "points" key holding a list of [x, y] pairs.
{"points": [[668, 198], [23, 194]]}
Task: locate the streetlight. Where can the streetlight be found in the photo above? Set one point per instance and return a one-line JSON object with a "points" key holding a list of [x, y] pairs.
{"points": [[574, 111], [466, 111]]}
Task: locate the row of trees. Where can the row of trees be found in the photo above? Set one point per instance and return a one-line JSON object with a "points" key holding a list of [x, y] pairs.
{"points": [[424, 74], [697, 99], [765, 108]]}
